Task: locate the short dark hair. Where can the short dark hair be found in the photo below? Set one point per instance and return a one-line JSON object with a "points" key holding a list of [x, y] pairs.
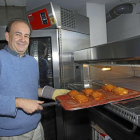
{"points": [[8, 27]]}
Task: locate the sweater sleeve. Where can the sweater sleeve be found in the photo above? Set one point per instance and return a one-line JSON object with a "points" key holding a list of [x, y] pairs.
{"points": [[7, 106], [47, 92]]}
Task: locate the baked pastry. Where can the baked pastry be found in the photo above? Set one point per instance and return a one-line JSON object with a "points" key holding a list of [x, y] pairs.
{"points": [[96, 95], [120, 91], [81, 98], [72, 93], [108, 87], [87, 91]]}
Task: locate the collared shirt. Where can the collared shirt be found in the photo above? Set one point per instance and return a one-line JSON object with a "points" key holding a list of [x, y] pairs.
{"points": [[13, 52]]}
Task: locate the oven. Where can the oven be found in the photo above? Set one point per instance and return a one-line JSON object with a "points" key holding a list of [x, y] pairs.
{"points": [[60, 32], [59, 45], [116, 63]]}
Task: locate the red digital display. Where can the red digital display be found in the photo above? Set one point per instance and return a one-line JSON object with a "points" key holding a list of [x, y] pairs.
{"points": [[39, 19]]}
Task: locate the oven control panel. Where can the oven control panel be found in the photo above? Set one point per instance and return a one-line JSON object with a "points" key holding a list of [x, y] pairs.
{"points": [[39, 19], [43, 18]]}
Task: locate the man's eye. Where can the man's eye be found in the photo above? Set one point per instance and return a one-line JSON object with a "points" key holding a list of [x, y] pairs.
{"points": [[17, 34], [27, 36]]}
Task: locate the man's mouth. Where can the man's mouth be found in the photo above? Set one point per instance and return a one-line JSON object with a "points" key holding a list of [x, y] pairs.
{"points": [[21, 43]]}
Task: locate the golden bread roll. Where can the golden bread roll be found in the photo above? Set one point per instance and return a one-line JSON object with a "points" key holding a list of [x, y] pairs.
{"points": [[81, 98], [120, 91], [96, 95], [108, 87], [72, 93], [87, 91]]}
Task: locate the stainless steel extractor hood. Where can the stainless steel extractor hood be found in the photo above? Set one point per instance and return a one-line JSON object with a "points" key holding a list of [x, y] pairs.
{"points": [[128, 49]]}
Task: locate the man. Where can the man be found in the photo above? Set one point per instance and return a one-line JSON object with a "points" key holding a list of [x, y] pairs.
{"points": [[19, 74]]}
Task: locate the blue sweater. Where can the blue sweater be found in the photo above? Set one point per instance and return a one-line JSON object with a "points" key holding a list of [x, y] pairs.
{"points": [[18, 79]]}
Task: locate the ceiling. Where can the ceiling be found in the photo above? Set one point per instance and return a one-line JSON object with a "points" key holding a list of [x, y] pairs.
{"points": [[72, 5]]}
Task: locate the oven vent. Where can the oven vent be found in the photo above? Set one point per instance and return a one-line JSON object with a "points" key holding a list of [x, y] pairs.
{"points": [[67, 18]]}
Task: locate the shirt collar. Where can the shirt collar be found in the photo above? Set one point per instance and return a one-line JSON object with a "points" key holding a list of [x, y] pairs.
{"points": [[13, 52]]}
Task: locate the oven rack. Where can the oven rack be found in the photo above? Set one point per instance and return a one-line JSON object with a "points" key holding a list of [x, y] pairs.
{"points": [[128, 82], [132, 83], [132, 116]]}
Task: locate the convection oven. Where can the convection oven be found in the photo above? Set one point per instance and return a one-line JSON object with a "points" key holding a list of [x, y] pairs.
{"points": [[60, 32], [59, 46], [116, 63]]}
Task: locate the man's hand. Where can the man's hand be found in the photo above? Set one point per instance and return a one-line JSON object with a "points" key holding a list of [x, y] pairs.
{"points": [[29, 106], [59, 92]]}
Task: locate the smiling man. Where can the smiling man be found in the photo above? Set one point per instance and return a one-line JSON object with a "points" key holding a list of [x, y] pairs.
{"points": [[19, 74], [19, 104], [17, 37]]}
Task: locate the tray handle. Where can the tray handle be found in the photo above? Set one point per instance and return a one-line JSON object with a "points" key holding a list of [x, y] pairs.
{"points": [[51, 104]]}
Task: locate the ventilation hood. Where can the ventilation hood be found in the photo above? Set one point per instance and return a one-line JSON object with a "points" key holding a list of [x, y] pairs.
{"points": [[128, 49]]}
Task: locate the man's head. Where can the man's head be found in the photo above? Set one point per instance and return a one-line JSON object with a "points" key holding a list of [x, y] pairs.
{"points": [[17, 35]]}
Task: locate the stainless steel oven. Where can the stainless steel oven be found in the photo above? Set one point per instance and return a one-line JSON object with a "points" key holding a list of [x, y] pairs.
{"points": [[60, 45], [60, 32], [116, 63]]}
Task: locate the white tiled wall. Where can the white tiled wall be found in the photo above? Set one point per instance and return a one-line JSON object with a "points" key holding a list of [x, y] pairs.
{"points": [[124, 26]]}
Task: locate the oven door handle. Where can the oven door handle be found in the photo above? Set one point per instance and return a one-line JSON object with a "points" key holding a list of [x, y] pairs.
{"points": [[133, 129], [51, 104], [126, 129]]}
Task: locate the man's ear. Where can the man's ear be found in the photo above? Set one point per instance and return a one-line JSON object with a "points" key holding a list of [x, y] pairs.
{"points": [[7, 36]]}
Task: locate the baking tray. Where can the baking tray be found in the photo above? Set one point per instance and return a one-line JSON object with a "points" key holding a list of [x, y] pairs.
{"points": [[69, 104]]}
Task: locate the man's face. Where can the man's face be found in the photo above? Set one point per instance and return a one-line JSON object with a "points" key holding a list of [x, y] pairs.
{"points": [[18, 38]]}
